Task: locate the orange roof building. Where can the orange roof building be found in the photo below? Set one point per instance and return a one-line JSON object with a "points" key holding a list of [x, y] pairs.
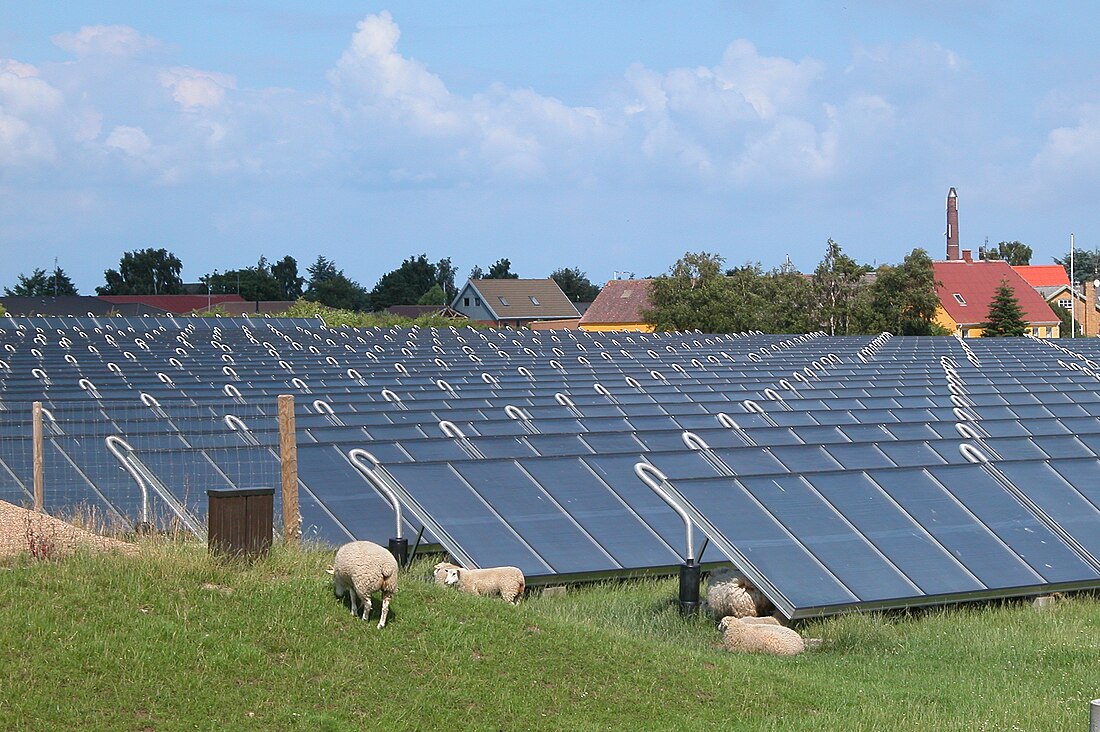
{"points": [[1043, 275], [966, 289], [619, 306]]}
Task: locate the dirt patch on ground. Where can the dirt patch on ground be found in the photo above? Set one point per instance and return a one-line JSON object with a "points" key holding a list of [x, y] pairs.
{"points": [[45, 536]]}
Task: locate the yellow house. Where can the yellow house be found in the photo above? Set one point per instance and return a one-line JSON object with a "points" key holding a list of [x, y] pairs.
{"points": [[619, 307], [966, 288]]}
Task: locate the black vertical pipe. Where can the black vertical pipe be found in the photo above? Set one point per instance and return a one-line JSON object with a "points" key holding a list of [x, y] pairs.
{"points": [[689, 587], [399, 548]]}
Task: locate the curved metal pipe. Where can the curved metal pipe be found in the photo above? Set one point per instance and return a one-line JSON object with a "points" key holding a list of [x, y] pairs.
{"points": [[751, 406], [450, 429], [516, 413], [727, 421], [116, 444], [972, 454], [358, 457], [656, 480], [694, 442]]}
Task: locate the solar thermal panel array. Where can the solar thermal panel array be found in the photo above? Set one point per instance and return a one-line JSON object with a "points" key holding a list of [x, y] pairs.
{"points": [[836, 472]]}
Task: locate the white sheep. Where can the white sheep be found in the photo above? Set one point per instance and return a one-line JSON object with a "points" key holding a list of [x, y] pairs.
{"points": [[730, 593], [362, 568], [760, 635], [508, 582]]}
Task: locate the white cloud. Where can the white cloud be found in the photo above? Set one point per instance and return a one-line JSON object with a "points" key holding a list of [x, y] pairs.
{"points": [[22, 144], [104, 40], [27, 104], [195, 89], [131, 140], [1070, 152]]}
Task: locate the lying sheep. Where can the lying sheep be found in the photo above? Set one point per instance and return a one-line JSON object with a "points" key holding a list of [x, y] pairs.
{"points": [[730, 593], [508, 582], [760, 635], [362, 568]]}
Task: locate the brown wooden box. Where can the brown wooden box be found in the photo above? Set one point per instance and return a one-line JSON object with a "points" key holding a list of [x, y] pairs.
{"points": [[240, 521]]}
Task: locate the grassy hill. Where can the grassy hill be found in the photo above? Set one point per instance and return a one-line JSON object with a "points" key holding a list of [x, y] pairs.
{"points": [[173, 639]]}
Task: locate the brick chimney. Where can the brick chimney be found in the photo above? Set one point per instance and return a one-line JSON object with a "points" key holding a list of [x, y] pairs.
{"points": [[1090, 319], [952, 225], [966, 256]]}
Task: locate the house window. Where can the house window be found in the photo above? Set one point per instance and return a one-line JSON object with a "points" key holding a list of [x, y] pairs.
{"points": [[534, 300], [466, 301], [477, 301], [1065, 303], [503, 300], [959, 299]]}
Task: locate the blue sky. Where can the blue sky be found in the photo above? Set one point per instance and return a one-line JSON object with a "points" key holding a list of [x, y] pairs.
{"points": [[605, 136]]}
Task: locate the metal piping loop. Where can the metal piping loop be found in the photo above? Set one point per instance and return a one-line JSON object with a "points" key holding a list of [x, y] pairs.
{"points": [[727, 421], [564, 400], [694, 442], [450, 429], [516, 413], [656, 480], [972, 454], [116, 444], [751, 406], [357, 456]]}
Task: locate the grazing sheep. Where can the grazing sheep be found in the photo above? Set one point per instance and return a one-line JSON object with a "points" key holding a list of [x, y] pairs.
{"points": [[507, 582], [362, 568], [760, 635], [730, 593]]}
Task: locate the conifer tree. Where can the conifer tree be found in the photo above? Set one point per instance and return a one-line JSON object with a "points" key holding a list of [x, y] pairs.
{"points": [[1005, 318]]}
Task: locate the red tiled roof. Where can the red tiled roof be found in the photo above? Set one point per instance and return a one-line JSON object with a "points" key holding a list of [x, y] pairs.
{"points": [[1043, 275], [620, 301], [976, 282], [179, 304]]}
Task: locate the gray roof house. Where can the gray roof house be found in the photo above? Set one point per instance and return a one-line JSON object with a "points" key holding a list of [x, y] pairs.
{"points": [[513, 302]]}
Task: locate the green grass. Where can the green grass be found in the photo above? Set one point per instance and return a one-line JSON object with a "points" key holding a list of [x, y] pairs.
{"points": [[175, 640]]}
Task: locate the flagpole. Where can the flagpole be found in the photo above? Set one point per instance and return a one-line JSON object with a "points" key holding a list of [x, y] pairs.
{"points": [[1073, 293]]}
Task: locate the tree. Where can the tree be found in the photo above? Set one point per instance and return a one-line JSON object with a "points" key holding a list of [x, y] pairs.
{"points": [[1016, 253], [1005, 318], [902, 299], [144, 272], [445, 275], [835, 282], [690, 295], [330, 286], [41, 284], [404, 285], [434, 296], [285, 272], [1086, 265], [575, 284], [477, 273], [501, 270]]}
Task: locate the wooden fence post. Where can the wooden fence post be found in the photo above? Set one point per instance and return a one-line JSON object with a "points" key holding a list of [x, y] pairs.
{"points": [[36, 417], [288, 459]]}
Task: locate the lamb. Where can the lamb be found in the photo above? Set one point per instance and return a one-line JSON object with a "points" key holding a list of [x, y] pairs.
{"points": [[730, 593], [508, 582], [362, 568], [760, 635]]}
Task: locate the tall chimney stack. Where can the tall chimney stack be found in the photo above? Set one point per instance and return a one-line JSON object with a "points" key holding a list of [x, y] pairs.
{"points": [[952, 225]]}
